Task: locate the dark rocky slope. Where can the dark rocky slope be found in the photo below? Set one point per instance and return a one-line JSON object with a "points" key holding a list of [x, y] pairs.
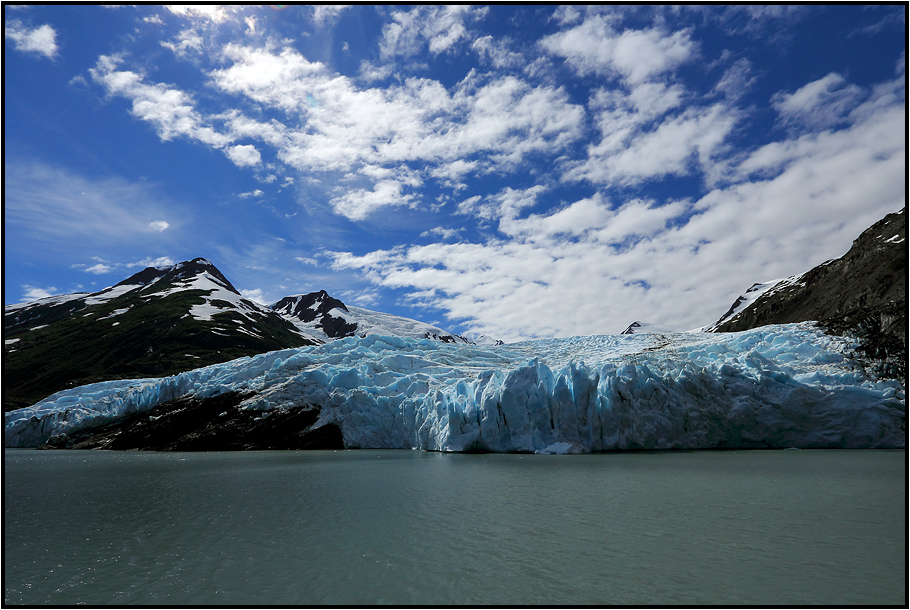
{"points": [[210, 424], [863, 294]]}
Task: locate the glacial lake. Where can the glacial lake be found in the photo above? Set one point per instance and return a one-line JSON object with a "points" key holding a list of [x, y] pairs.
{"points": [[789, 527]]}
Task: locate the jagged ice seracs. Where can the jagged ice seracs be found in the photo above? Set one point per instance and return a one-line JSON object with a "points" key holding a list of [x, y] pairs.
{"points": [[775, 386]]}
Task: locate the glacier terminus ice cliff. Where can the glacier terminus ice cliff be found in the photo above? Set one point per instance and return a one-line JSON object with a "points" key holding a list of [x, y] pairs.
{"points": [[813, 360], [787, 385]]}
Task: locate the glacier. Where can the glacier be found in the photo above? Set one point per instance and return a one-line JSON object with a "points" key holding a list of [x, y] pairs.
{"points": [[783, 386]]}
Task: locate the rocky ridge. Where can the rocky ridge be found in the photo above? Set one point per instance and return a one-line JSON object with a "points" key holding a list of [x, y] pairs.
{"points": [[863, 294]]}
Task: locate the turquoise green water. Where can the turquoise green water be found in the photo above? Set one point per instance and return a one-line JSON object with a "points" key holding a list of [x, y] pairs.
{"points": [[406, 527]]}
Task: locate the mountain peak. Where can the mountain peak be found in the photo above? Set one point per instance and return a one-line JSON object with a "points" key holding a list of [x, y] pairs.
{"points": [[630, 329], [640, 328], [317, 308], [307, 307], [178, 272]]}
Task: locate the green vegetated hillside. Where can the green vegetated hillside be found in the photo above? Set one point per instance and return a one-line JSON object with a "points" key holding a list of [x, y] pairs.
{"points": [[142, 333]]}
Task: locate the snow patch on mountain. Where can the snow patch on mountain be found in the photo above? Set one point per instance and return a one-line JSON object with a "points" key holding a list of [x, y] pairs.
{"points": [[199, 274], [218, 298], [746, 299], [51, 300], [378, 323], [110, 293], [116, 312]]}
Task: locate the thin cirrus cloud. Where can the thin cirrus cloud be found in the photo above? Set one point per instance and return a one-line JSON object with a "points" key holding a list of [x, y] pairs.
{"points": [[821, 103], [103, 267], [327, 13], [594, 47], [50, 205]]}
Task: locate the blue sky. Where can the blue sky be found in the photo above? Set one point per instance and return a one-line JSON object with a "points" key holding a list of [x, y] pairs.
{"points": [[519, 172]]}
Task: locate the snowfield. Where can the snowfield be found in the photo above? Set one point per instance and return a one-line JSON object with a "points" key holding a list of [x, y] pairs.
{"points": [[776, 386]]}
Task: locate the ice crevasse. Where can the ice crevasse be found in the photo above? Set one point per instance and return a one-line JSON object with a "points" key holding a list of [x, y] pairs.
{"points": [[776, 386]]}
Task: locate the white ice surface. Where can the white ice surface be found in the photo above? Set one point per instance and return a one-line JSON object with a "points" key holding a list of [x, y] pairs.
{"points": [[782, 386]]}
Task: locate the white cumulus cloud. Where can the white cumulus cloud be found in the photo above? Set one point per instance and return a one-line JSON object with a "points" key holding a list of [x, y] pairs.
{"points": [[161, 261], [99, 269], [211, 12], [593, 47], [357, 204], [437, 28], [255, 294], [41, 40], [327, 13], [33, 293], [333, 125], [243, 155], [577, 269], [171, 111]]}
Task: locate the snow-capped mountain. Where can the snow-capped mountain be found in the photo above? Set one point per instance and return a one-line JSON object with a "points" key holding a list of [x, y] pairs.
{"points": [[324, 318], [317, 315], [485, 340], [862, 293], [164, 320], [160, 321]]}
